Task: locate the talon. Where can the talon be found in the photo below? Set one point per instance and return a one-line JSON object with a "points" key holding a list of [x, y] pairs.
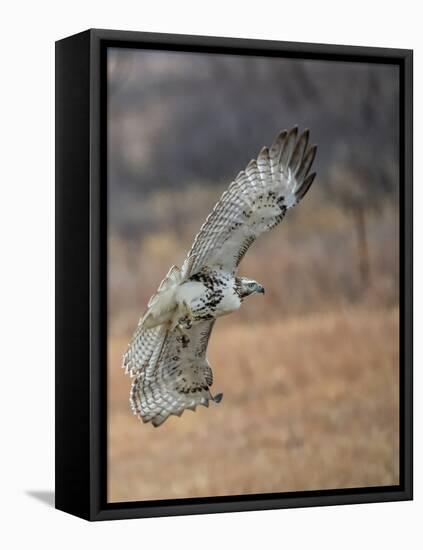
{"points": [[182, 329], [189, 312], [218, 397]]}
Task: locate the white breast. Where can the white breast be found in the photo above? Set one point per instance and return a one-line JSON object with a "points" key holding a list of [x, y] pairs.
{"points": [[230, 302], [189, 292]]}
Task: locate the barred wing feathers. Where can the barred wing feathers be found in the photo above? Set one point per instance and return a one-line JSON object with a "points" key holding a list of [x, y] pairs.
{"points": [[255, 202], [143, 349], [147, 342], [179, 378]]}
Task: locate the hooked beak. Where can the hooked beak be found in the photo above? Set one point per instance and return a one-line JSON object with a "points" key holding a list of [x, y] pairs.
{"points": [[260, 289]]}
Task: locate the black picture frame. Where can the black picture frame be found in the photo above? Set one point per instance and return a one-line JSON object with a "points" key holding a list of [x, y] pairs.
{"points": [[81, 274]]}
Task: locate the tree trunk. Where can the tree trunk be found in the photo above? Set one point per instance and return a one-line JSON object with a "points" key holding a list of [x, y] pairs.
{"points": [[362, 243]]}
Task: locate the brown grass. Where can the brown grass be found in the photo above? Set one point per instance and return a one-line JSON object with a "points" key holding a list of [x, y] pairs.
{"points": [[309, 372], [309, 403], [309, 264]]}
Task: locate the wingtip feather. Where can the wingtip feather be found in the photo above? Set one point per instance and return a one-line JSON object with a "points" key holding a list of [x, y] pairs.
{"points": [[305, 186]]}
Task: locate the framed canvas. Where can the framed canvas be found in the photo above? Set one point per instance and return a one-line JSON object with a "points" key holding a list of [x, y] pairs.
{"points": [[301, 317]]}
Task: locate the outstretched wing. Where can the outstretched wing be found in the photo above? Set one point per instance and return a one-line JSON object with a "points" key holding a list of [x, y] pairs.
{"points": [[146, 343], [178, 378], [144, 348], [254, 203]]}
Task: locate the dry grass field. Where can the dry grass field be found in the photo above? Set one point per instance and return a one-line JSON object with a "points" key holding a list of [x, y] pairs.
{"points": [[309, 403], [309, 371]]}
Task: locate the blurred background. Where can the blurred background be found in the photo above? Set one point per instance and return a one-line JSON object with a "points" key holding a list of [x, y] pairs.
{"points": [[310, 371]]}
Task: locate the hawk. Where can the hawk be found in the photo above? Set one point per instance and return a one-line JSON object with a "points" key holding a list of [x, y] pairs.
{"points": [[166, 356]]}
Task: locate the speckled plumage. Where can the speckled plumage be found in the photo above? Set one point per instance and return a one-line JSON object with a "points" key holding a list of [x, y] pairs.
{"points": [[167, 354]]}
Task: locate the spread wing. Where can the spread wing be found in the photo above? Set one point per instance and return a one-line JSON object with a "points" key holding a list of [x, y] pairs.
{"points": [[254, 203], [144, 348], [172, 375]]}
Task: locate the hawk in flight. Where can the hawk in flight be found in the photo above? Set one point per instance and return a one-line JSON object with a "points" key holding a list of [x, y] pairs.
{"points": [[167, 354]]}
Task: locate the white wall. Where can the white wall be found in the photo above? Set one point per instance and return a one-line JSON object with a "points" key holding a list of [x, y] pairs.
{"points": [[29, 30]]}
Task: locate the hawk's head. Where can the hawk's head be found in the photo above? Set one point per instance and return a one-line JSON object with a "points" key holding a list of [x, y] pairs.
{"points": [[245, 287]]}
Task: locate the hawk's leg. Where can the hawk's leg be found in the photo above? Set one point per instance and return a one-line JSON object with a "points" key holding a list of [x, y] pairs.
{"points": [[182, 318], [185, 322], [189, 316], [182, 329]]}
